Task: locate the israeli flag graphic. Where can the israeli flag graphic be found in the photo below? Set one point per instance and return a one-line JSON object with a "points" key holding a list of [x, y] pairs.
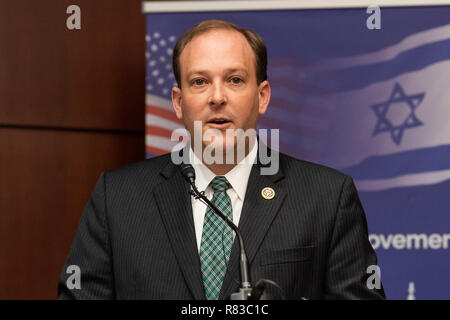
{"points": [[391, 133], [392, 122]]}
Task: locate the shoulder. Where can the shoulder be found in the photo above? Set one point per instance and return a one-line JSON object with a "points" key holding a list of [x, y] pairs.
{"points": [[292, 165], [145, 171], [311, 174]]}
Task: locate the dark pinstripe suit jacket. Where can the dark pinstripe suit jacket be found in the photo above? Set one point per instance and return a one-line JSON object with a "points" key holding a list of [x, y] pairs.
{"points": [[136, 237]]}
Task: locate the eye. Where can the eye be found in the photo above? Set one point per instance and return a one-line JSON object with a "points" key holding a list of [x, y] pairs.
{"points": [[236, 80], [198, 82]]}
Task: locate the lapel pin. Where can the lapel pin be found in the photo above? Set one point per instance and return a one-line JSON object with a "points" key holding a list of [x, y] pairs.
{"points": [[268, 193]]}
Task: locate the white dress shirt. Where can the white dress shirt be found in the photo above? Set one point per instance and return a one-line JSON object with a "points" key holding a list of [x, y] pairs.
{"points": [[238, 179]]}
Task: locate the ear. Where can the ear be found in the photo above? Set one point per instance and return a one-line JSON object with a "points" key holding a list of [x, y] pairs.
{"points": [[176, 102], [264, 96]]}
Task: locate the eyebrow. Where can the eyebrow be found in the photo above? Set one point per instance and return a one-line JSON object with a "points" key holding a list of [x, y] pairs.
{"points": [[230, 70]]}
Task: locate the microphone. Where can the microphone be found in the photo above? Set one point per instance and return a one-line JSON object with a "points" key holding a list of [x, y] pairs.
{"points": [[188, 173], [245, 291]]}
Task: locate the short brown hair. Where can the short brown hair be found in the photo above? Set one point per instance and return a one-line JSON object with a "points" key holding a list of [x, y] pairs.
{"points": [[254, 40]]}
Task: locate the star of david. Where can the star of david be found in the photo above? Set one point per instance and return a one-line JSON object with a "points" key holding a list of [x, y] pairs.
{"points": [[411, 120]]}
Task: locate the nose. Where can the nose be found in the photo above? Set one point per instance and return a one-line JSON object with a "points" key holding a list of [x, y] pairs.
{"points": [[218, 97]]}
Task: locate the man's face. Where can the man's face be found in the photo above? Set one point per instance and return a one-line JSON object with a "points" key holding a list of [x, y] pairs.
{"points": [[219, 86]]}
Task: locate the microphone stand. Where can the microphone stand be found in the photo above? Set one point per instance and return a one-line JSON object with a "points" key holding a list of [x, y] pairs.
{"points": [[245, 291]]}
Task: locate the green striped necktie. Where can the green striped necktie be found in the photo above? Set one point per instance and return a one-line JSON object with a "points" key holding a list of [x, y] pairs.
{"points": [[217, 240]]}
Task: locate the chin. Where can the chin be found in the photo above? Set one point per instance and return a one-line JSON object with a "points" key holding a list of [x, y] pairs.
{"points": [[223, 145]]}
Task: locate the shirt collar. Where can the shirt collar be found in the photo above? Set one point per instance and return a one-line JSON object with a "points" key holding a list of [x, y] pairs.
{"points": [[237, 177]]}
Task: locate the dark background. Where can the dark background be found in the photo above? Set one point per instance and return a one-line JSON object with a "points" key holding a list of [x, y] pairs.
{"points": [[72, 105]]}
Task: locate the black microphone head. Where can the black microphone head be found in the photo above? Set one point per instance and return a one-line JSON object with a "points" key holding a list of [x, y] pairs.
{"points": [[188, 172]]}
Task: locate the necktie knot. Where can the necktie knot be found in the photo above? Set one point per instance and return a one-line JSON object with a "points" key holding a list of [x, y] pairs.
{"points": [[220, 184]]}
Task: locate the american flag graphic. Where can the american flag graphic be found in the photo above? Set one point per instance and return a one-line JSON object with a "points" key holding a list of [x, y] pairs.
{"points": [[160, 119], [301, 110]]}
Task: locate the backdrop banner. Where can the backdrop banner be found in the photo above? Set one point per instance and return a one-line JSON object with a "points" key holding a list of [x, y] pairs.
{"points": [[372, 103]]}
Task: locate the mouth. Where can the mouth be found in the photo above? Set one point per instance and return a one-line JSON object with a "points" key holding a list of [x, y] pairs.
{"points": [[219, 123]]}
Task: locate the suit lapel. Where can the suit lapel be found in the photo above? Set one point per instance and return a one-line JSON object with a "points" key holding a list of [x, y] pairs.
{"points": [[256, 217], [175, 207]]}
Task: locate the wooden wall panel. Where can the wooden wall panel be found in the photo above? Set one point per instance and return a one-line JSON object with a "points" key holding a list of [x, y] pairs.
{"points": [[71, 106], [45, 182], [88, 78]]}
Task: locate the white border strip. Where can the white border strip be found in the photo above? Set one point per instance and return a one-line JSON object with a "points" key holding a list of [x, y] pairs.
{"points": [[152, 120], [154, 100], [257, 5], [388, 53], [409, 180], [160, 142]]}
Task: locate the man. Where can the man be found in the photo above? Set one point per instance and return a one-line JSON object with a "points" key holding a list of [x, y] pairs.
{"points": [[143, 236]]}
